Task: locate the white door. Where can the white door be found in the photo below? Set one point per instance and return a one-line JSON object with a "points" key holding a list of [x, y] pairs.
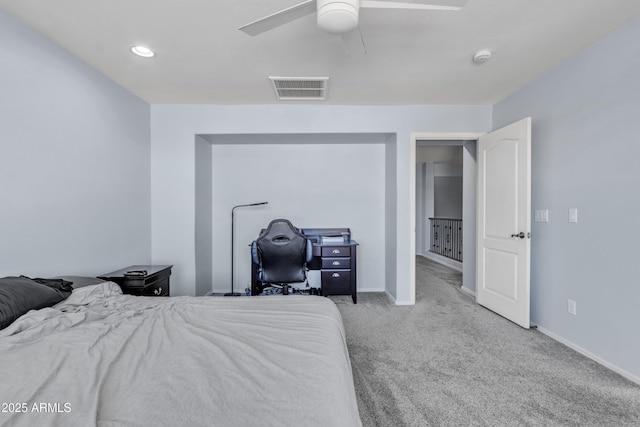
{"points": [[504, 221]]}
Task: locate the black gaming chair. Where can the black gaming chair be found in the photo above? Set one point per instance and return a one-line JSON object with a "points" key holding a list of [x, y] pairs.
{"points": [[281, 253]]}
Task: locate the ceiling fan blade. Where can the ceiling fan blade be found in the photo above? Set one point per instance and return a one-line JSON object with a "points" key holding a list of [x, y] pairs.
{"points": [[354, 43], [414, 4], [279, 18]]}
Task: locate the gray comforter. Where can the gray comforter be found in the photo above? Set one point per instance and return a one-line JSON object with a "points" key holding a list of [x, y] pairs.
{"points": [[103, 358]]}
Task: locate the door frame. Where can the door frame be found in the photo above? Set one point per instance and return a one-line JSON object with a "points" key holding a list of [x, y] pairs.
{"points": [[433, 136]]}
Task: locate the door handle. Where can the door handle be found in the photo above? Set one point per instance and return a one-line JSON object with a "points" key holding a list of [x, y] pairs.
{"points": [[520, 235]]}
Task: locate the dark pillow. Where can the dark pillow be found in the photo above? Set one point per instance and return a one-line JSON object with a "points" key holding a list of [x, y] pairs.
{"points": [[18, 295], [80, 281]]}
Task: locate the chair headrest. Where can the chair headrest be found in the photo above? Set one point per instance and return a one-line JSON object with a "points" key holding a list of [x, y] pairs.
{"points": [[281, 231]]}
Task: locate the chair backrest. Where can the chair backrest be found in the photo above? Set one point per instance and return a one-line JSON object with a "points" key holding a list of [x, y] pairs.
{"points": [[282, 252]]}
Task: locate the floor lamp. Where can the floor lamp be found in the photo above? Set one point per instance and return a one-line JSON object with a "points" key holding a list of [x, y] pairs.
{"points": [[237, 294]]}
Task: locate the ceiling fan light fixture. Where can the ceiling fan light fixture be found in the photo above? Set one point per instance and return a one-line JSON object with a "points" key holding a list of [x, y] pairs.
{"points": [[143, 51], [338, 17]]}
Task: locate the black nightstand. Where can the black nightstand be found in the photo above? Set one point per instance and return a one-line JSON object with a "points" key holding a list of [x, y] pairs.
{"points": [[142, 280]]}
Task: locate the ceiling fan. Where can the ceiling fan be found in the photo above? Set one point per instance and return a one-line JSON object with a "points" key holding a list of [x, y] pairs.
{"points": [[341, 16]]}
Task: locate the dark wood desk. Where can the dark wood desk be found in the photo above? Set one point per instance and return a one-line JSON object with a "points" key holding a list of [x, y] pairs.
{"points": [[337, 265]]}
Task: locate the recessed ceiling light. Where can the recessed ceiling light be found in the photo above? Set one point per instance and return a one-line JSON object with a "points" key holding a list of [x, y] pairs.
{"points": [[143, 51]]}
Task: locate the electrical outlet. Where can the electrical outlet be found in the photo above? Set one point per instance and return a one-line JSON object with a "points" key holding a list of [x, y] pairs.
{"points": [[571, 307]]}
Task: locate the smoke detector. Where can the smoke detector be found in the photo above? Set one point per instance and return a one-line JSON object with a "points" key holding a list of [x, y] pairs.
{"points": [[482, 56]]}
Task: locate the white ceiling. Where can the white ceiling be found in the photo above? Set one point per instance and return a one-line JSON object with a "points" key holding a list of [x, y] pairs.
{"points": [[413, 57]]}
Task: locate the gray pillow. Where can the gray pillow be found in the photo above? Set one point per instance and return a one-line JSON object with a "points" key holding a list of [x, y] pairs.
{"points": [[18, 295]]}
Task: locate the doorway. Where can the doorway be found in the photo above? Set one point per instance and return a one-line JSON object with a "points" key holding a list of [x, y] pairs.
{"points": [[465, 144], [439, 183], [500, 245]]}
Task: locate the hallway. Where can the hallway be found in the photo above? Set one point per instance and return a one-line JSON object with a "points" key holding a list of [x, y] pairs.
{"points": [[448, 274]]}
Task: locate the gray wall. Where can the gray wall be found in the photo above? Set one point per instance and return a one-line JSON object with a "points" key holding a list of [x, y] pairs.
{"points": [[203, 215], [326, 181], [447, 193], [74, 163], [469, 217], [585, 153], [424, 206], [173, 128]]}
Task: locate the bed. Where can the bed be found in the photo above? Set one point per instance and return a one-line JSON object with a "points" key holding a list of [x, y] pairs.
{"points": [[102, 358]]}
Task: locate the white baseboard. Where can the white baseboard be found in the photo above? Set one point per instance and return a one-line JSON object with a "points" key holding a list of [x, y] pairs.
{"points": [[395, 301], [456, 265], [614, 368], [391, 298], [370, 290], [468, 292]]}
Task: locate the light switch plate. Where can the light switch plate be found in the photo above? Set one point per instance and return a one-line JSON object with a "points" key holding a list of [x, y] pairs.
{"points": [[573, 215], [541, 215]]}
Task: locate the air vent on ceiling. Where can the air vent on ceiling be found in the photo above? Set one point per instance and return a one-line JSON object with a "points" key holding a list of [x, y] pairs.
{"points": [[300, 88]]}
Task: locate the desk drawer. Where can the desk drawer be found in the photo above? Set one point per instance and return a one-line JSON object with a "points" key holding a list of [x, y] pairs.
{"points": [[336, 251], [338, 263], [336, 282]]}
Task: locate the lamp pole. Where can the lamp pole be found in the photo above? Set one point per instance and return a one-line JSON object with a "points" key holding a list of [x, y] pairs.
{"points": [[232, 293]]}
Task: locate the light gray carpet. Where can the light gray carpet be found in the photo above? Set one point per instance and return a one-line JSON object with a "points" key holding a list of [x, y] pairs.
{"points": [[449, 362]]}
